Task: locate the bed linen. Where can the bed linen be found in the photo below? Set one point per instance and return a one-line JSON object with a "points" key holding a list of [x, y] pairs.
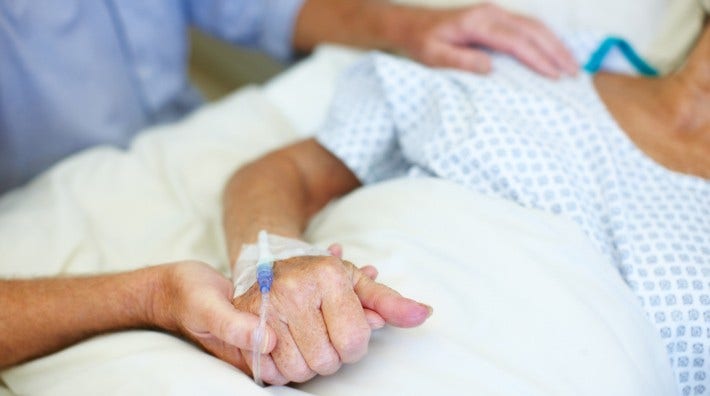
{"points": [[523, 303]]}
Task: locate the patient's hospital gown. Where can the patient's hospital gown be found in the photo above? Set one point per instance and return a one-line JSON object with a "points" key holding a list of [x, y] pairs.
{"points": [[550, 145]]}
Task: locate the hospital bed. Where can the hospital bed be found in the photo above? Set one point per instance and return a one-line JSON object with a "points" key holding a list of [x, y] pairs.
{"points": [[523, 304]]}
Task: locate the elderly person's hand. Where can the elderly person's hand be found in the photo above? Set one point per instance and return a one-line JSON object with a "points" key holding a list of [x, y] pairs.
{"points": [[322, 311], [457, 38]]}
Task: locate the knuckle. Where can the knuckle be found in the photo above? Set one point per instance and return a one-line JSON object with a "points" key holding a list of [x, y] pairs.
{"points": [[276, 381], [289, 285], [300, 373], [300, 298], [331, 268], [297, 293], [274, 378], [354, 347], [326, 363], [270, 372]]}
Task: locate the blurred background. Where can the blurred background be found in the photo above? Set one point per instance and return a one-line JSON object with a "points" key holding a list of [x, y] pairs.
{"points": [[218, 68]]}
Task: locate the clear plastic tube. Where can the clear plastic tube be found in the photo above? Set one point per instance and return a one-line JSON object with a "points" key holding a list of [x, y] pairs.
{"points": [[264, 277], [259, 339]]}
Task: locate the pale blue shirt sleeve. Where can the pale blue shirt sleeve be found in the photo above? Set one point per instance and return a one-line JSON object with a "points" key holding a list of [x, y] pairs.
{"points": [[75, 73], [267, 25]]}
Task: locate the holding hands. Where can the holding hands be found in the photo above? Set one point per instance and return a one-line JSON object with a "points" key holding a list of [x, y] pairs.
{"points": [[322, 312]]}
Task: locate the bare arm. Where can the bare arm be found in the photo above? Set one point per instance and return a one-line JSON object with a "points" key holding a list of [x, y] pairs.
{"points": [[281, 191], [41, 316], [323, 308], [44, 315], [436, 37]]}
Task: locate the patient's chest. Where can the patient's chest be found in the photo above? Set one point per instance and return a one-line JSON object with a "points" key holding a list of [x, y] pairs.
{"points": [[545, 145], [553, 146]]}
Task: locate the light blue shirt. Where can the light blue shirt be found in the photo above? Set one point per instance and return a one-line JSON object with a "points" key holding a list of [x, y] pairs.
{"points": [[77, 73]]}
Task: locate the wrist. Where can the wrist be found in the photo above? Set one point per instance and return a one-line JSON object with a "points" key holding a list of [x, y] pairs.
{"points": [[156, 304], [403, 26], [362, 23], [281, 248]]}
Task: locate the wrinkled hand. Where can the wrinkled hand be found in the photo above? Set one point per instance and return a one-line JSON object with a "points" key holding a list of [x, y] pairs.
{"points": [[322, 311], [195, 300], [453, 38]]}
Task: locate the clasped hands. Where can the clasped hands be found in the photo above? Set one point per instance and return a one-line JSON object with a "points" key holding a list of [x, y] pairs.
{"points": [[322, 312]]}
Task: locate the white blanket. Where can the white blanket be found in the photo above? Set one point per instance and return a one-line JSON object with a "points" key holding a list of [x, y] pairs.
{"points": [[523, 305]]}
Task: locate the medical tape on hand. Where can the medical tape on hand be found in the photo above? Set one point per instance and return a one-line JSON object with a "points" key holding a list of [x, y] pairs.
{"points": [[282, 248]]}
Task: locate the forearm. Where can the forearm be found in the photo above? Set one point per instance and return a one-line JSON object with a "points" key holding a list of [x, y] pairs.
{"points": [[41, 316], [248, 200], [281, 191], [267, 194], [362, 23]]}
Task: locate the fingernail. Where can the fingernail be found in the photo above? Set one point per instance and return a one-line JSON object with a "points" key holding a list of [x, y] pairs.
{"points": [[428, 308], [265, 343]]}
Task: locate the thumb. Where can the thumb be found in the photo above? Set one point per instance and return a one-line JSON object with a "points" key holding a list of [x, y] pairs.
{"points": [[390, 305], [235, 327]]}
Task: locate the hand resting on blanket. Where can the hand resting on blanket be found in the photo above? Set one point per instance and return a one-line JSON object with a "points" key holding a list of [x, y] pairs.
{"points": [[311, 293], [191, 299], [322, 312]]}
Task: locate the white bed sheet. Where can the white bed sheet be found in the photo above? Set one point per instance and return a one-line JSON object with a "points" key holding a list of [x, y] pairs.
{"points": [[523, 304]]}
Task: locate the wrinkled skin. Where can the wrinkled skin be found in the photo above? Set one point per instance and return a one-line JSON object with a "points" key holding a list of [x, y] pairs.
{"points": [[322, 312]]}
